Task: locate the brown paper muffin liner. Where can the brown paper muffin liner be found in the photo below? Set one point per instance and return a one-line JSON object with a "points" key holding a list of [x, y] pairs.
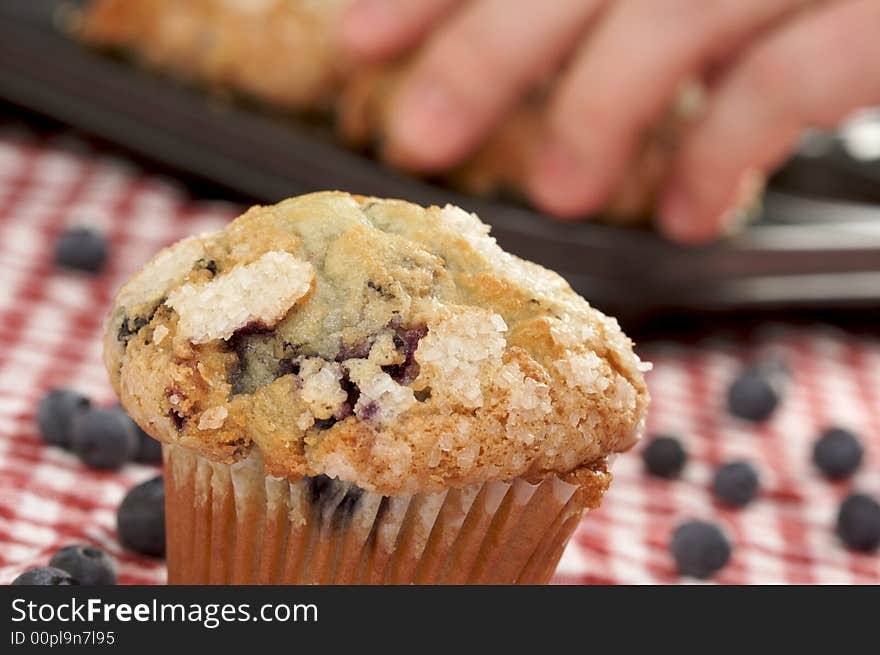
{"points": [[232, 524]]}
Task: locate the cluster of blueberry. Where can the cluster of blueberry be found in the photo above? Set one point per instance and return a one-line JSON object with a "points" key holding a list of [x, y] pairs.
{"points": [[140, 524], [102, 437], [701, 548]]}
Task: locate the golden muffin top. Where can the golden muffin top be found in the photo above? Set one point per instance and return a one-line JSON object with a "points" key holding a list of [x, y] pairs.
{"points": [[389, 345]]}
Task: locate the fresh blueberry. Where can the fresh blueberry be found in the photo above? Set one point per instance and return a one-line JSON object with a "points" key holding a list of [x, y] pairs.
{"points": [[87, 564], [757, 391], [45, 576], [736, 483], [104, 438], [699, 548], [140, 520], [838, 453], [81, 249], [858, 522], [55, 415], [149, 450], [664, 457]]}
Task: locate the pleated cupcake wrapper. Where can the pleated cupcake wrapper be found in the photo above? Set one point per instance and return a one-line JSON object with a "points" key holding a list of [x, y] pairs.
{"points": [[232, 524]]}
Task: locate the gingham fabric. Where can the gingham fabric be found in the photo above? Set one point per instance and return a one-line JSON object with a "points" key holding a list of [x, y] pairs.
{"points": [[50, 335]]}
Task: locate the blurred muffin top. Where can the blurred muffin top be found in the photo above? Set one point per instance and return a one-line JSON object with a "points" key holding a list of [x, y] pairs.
{"points": [[389, 345]]}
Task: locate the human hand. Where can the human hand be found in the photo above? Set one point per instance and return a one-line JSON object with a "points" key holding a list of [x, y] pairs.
{"points": [[773, 67]]}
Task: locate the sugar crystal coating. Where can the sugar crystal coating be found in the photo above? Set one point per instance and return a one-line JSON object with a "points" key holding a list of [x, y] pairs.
{"points": [[381, 398], [166, 268], [260, 292], [584, 371], [213, 418], [457, 350], [320, 387], [159, 334]]}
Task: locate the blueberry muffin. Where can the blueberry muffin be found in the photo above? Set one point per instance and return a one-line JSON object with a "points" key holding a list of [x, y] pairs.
{"points": [[350, 389], [278, 51]]}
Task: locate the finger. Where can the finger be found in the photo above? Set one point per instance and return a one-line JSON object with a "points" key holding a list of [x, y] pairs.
{"points": [[812, 72], [472, 71], [374, 30], [623, 81]]}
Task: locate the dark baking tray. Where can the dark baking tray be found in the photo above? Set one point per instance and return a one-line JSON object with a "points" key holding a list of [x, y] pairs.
{"points": [[802, 253]]}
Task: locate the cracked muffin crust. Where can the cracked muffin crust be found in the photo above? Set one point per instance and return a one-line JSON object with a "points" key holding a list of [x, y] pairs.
{"points": [[388, 345]]}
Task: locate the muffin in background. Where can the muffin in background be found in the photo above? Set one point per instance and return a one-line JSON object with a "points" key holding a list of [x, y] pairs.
{"points": [[279, 51], [355, 390]]}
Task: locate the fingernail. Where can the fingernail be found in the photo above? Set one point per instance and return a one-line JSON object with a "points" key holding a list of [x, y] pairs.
{"points": [[562, 183], [429, 125]]}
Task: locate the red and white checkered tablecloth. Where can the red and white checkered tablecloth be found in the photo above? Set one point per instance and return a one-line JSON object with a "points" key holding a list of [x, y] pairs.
{"points": [[50, 328]]}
